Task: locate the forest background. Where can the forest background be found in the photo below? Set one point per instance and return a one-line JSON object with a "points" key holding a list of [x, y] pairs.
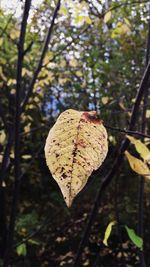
{"points": [[84, 55]]}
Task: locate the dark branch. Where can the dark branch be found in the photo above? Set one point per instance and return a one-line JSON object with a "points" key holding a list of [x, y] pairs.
{"points": [[127, 131], [28, 48], [17, 133], [2, 115]]}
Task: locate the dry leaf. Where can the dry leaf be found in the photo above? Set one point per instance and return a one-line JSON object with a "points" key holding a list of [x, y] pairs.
{"points": [[76, 145], [138, 165]]}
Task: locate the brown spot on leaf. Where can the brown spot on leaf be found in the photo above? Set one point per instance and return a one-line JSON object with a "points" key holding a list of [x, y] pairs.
{"points": [[64, 176], [90, 117]]}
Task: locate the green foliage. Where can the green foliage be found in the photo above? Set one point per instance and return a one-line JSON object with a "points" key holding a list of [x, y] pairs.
{"points": [[137, 240], [22, 250], [26, 223]]}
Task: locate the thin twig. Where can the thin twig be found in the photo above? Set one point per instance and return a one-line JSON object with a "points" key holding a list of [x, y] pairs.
{"points": [[140, 134], [39, 228], [28, 48], [3, 30], [2, 115]]}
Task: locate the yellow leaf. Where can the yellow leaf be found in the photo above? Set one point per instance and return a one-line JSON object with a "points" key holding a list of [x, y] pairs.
{"points": [[49, 56], [1, 41], [138, 165], [26, 72], [11, 82], [121, 104], [148, 113], [2, 137], [127, 22], [14, 34], [26, 156], [147, 140], [107, 16], [79, 73], [63, 11], [62, 63], [62, 81], [2, 75], [76, 145], [140, 147], [124, 29], [121, 29], [88, 20], [105, 100], [108, 232], [27, 128], [73, 62]]}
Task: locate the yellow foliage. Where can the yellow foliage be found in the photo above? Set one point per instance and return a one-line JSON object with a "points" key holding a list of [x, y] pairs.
{"points": [[14, 34], [2, 137], [108, 232], [49, 56], [138, 165], [11, 82], [73, 63], [76, 145], [2, 75], [63, 10], [148, 113], [121, 29], [127, 22], [1, 41], [107, 16], [26, 156], [79, 73], [62, 81], [62, 63], [26, 72], [104, 100], [140, 147]]}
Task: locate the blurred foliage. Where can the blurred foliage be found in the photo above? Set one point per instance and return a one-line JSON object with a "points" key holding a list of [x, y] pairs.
{"points": [[95, 61]]}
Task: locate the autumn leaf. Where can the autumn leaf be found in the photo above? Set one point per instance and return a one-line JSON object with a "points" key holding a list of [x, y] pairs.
{"points": [[76, 145], [140, 147], [138, 165], [107, 16], [105, 100], [148, 113], [108, 232]]}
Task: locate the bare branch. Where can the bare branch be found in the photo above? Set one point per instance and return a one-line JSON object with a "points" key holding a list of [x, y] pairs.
{"points": [[28, 48], [17, 134], [127, 131], [2, 115]]}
